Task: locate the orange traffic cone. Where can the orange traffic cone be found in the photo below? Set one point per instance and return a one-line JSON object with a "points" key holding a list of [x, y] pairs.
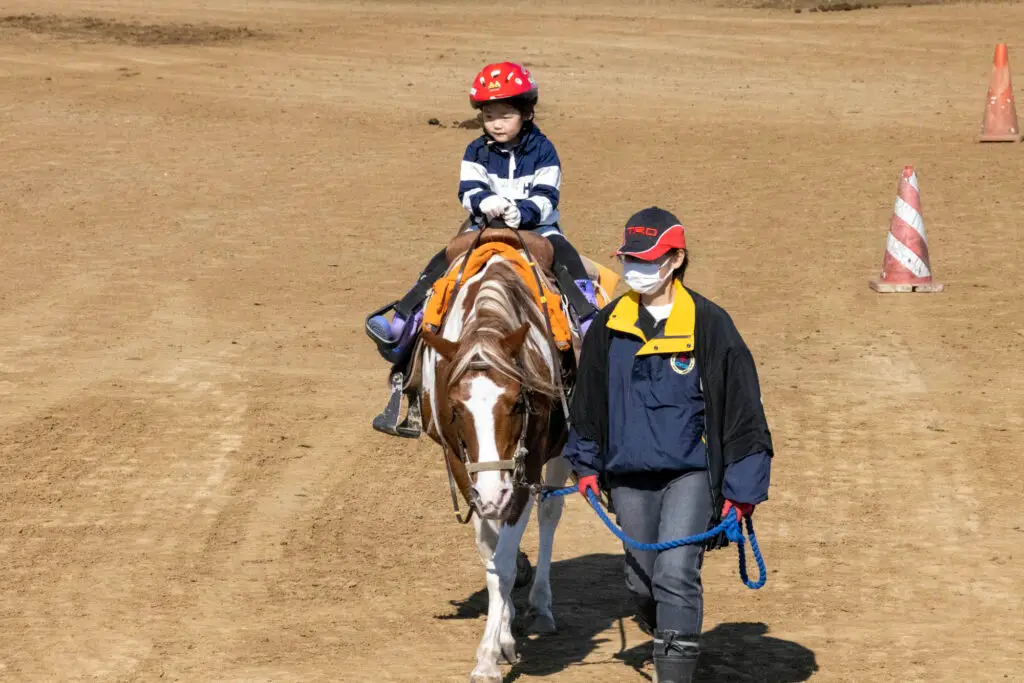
{"points": [[1000, 121], [905, 267]]}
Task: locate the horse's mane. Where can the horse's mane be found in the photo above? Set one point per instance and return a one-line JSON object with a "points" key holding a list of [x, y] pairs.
{"points": [[502, 304]]}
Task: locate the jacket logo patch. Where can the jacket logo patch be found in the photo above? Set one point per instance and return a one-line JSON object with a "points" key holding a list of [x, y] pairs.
{"points": [[682, 364]]}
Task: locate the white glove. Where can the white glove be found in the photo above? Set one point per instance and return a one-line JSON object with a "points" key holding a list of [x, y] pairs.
{"points": [[511, 215], [493, 206]]}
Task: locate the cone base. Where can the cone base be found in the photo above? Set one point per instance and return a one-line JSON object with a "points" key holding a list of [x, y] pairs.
{"points": [[896, 288], [1001, 138]]}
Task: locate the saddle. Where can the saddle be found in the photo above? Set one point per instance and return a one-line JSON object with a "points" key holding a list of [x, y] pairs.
{"points": [[493, 241], [540, 249], [504, 244]]}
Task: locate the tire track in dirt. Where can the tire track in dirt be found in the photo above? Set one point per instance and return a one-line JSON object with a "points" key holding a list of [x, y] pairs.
{"points": [[105, 425], [872, 420]]}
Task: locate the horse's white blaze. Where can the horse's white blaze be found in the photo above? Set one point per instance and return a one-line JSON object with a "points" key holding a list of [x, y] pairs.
{"points": [[483, 397]]}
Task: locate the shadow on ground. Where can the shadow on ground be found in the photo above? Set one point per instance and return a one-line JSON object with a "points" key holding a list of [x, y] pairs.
{"points": [[590, 599]]}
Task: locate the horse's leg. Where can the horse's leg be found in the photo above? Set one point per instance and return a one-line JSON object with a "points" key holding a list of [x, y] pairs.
{"points": [[549, 512], [501, 575]]}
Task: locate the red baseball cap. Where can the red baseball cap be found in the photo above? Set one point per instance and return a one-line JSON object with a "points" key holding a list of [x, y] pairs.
{"points": [[650, 234]]}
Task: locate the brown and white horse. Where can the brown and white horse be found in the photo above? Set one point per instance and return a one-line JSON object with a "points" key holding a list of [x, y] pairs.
{"points": [[490, 397]]}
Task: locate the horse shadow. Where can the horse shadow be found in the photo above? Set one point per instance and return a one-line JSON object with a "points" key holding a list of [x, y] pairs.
{"points": [[590, 598]]}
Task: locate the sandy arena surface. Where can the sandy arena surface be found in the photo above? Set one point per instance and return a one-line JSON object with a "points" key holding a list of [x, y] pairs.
{"points": [[195, 220]]}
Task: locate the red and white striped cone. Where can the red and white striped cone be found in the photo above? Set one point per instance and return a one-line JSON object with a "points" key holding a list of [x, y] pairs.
{"points": [[905, 267]]}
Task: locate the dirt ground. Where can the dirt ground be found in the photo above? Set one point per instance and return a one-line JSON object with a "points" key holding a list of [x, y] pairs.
{"points": [[201, 199]]}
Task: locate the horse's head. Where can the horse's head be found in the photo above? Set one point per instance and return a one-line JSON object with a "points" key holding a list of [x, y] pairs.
{"points": [[485, 414]]}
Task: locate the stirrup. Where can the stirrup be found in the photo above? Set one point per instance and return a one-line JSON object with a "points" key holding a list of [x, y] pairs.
{"points": [[412, 425], [387, 422]]}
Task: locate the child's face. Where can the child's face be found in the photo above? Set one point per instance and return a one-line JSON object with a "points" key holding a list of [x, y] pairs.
{"points": [[502, 121]]}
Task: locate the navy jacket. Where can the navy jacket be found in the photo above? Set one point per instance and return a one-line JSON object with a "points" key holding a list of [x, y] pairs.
{"points": [[530, 174], [685, 398]]}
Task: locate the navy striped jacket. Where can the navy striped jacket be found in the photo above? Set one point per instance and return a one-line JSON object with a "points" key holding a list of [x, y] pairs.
{"points": [[529, 174]]}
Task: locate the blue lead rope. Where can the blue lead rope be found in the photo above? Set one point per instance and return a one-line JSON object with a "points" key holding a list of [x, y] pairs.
{"points": [[730, 525]]}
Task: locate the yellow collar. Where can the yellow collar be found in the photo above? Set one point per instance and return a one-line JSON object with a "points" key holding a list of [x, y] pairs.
{"points": [[678, 334]]}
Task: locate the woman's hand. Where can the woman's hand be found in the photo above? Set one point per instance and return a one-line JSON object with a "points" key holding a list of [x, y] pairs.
{"points": [[742, 509], [589, 483]]}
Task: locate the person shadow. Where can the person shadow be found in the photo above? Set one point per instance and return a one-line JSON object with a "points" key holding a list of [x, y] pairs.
{"points": [[590, 598]]}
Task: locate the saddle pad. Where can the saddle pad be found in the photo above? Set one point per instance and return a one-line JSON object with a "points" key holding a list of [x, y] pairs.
{"points": [[437, 304]]}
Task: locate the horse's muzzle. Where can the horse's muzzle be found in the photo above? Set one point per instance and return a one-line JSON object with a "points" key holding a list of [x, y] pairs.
{"points": [[496, 505]]}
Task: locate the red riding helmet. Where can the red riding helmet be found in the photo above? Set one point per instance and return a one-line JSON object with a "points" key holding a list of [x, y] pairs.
{"points": [[502, 81]]}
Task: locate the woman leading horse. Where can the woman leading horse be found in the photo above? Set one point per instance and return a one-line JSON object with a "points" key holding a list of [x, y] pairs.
{"points": [[666, 414]]}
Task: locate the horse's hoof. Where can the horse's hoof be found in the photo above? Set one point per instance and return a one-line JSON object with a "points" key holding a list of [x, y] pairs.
{"points": [[524, 570], [541, 625], [508, 655], [485, 678]]}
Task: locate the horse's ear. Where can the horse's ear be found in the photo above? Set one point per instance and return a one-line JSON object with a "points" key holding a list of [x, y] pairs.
{"points": [[446, 348], [515, 340]]}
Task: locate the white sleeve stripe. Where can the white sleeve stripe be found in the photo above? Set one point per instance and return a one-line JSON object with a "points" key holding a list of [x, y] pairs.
{"points": [[544, 205], [549, 175], [468, 196], [472, 171]]}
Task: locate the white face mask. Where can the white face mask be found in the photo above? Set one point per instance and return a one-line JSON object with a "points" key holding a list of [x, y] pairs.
{"points": [[645, 277]]}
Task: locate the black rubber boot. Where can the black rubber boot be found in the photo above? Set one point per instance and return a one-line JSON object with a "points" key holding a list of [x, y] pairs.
{"points": [[675, 657], [424, 283]]}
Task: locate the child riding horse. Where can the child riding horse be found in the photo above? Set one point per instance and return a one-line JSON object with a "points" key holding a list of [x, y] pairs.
{"points": [[511, 173]]}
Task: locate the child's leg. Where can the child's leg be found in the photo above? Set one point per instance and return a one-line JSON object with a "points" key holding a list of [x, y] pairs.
{"points": [[415, 296], [583, 297], [394, 337], [567, 255], [395, 340]]}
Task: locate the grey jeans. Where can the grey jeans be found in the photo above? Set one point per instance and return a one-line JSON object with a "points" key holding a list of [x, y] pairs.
{"points": [[652, 508]]}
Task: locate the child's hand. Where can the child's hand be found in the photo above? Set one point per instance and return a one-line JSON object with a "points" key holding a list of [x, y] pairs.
{"points": [[493, 206], [511, 215]]}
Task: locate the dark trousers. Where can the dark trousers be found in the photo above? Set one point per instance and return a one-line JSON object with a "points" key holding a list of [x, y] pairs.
{"points": [[652, 508], [567, 255]]}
